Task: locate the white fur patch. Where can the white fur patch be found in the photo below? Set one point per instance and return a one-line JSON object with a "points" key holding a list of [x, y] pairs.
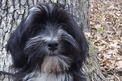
{"points": [[51, 65], [54, 64], [47, 77], [50, 38]]}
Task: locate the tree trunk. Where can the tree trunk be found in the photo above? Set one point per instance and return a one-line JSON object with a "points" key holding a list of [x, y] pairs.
{"points": [[13, 11]]}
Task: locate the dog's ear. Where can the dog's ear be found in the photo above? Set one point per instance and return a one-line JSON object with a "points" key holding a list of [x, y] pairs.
{"points": [[18, 38], [84, 48], [15, 46], [83, 44], [27, 28]]}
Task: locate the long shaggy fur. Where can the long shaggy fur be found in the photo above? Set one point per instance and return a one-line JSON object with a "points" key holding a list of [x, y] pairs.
{"points": [[30, 45]]}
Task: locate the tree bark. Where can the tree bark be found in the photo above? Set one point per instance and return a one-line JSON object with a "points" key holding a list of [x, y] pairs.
{"points": [[13, 11]]}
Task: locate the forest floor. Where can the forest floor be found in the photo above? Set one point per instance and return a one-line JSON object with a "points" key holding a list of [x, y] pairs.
{"points": [[106, 36]]}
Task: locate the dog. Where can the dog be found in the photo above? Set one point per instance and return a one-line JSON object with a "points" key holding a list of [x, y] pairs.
{"points": [[48, 45]]}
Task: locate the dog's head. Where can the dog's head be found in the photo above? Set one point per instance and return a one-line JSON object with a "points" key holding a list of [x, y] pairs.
{"points": [[47, 32]]}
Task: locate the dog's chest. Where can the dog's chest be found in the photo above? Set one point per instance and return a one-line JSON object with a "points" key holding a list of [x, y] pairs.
{"points": [[55, 64], [49, 69], [48, 77]]}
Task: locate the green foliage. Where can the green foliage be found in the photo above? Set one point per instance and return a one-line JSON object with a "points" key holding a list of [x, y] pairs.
{"points": [[88, 38], [105, 13], [90, 48], [100, 29], [95, 67], [94, 47], [88, 66], [97, 15], [100, 17], [95, 30]]}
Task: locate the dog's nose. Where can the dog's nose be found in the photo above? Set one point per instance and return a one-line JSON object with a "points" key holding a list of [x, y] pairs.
{"points": [[52, 45]]}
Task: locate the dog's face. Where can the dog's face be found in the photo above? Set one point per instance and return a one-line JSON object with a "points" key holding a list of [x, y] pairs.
{"points": [[48, 38]]}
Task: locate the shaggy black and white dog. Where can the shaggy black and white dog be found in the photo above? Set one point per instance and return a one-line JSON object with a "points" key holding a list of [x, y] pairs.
{"points": [[48, 45]]}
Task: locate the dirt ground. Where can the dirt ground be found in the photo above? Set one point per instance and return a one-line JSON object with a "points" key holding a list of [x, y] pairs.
{"points": [[106, 36]]}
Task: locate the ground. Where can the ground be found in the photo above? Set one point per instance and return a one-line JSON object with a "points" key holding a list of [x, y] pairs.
{"points": [[106, 36]]}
